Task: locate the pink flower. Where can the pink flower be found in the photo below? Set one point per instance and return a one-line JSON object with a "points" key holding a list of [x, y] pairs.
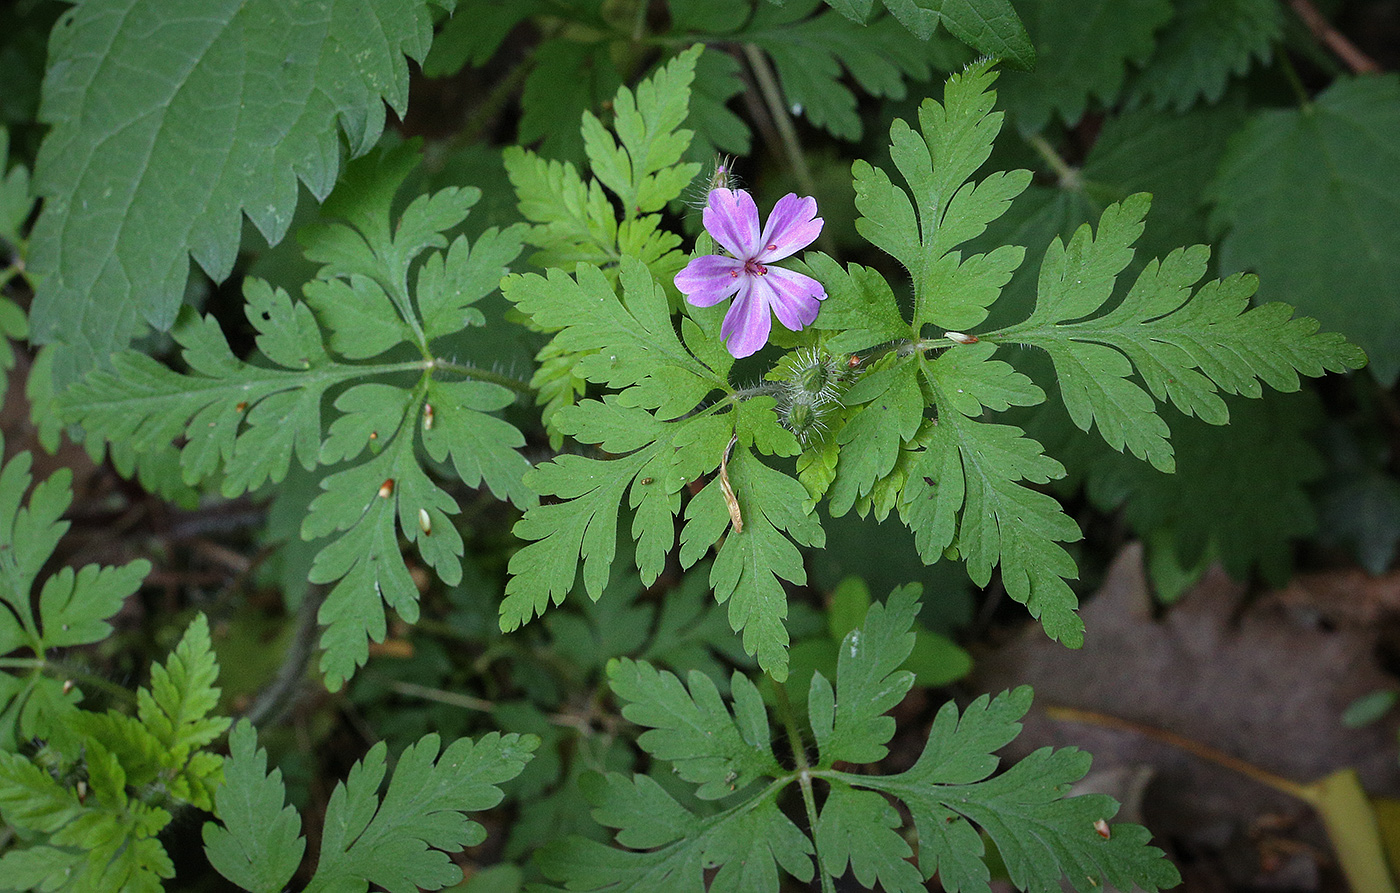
{"points": [[758, 289]]}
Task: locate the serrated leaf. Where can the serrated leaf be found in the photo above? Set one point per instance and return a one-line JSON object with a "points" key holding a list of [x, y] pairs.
{"points": [[71, 609], [970, 486], [851, 725], [1205, 43], [1041, 835], [752, 562], [1299, 188], [249, 419], [146, 160], [569, 77], [861, 827], [955, 138], [258, 845], [400, 841], [733, 750], [747, 843], [809, 53], [1079, 57], [1184, 346]]}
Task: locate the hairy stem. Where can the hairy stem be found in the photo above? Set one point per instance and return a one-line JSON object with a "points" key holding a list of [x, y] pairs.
{"points": [[70, 672], [804, 773], [466, 371], [1334, 40]]}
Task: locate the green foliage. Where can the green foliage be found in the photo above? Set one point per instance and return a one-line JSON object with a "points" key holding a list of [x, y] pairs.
{"points": [[71, 608], [388, 288], [399, 840], [1205, 43], [661, 444], [724, 750], [1081, 57], [148, 159], [92, 802], [989, 26], [963, 483], [1300, 188]]}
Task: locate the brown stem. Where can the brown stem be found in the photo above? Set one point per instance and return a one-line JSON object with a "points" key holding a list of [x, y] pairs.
{"points": [[1195, 748], [1334, 40]]}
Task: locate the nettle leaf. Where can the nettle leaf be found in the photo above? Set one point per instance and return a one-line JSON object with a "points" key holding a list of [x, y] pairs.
{"points": [[72, 608], [989, 26], [810, 52], [1184, 347], [385, 283], [1204, 44], [399, 840], [1080, 57], [167, 126], [950, 792], [1299, 188]]}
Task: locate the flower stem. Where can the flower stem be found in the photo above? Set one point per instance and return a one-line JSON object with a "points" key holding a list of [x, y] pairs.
{"points": [[1068, 174], [782, 119]]}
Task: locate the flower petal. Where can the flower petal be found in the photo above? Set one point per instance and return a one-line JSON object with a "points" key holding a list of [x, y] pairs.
{"points": [[794, 297], [710, 278], [731, 218], [746, 325], [792, 226]]}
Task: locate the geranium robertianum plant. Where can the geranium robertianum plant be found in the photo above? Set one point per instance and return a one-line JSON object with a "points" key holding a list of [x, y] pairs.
{"points": [[880, 397]]}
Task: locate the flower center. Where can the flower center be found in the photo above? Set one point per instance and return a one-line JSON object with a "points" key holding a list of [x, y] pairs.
{"points": [[754, 268]]}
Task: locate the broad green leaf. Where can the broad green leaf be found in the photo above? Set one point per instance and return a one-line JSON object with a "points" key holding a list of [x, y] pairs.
{"points": [[1300, 188], [1080, 57], [1205, 43], [169, 121]]}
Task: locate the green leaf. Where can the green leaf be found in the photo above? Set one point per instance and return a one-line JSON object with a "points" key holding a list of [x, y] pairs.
{"points": [[382, 286], [1183, 346], [473, 33], [1041, 834], [967, 487], [147, 163], [732, 751], [956, 138], [1299, 188], [810, 52], [746, 843], [1204, 44], [861, 827], [258, 845], [401, 841], [644, 171], [15, 201], [1079, 57], [569, 77], [752, 562], [72, 608], [851, 726]]}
